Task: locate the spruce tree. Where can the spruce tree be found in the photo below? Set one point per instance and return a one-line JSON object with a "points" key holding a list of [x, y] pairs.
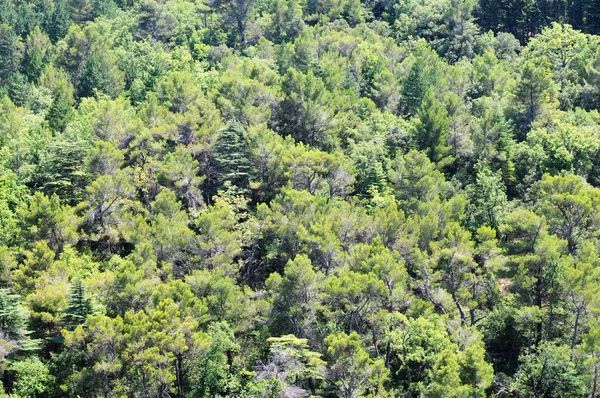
{"points": [[79, 306], [431, 128], [60, 111], [414, 88], [12, 318], [59, 20], [92, 77], [232, 158], [9, 53]]}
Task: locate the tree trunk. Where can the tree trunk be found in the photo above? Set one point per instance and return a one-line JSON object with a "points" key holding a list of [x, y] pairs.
{"points": [[178, 366]]}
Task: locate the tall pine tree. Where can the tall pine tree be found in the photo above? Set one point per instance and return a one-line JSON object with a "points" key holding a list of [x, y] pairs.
{"points": [[232, 159], [79, 306], [431, 129]]}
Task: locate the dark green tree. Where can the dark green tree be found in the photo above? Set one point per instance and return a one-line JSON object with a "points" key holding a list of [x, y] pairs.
{"points": [[37, 49], [532, 92], [61, 110], [93, 77], [232, 158], [549, 373], [12, 318], [431, 129], [414, 88], [9, 53], [79, 306], [58, 21]]}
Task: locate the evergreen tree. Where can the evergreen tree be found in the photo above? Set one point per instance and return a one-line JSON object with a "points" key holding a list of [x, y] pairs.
{"points": [[232, 159], [414, 88], [9, 53], [36, 51], [531, 94], [431, 128], [12, 317], [79, 306], [592, 16], [93, 77], [58, 20], [19, 89], [60, 111], [488, 197]]}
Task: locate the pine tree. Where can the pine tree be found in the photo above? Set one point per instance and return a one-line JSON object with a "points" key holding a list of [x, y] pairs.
{"points": [[12, 317], [592, 17], [35, 57], [60, 111], [59, 20], [532, 92], [92, 77], [9, 53], [13, 323], [79, 306], [414, 88], [504, 159], [19, 89], [431, 129], [232, 158]]}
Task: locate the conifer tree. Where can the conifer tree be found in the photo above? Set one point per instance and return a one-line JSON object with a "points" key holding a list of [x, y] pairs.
{"points": [[9, 53], [60, 110], [58, 22], [12, 318], [92, 77], [231, 158], [414, 88], [431, 129], [79, 306], [532, 92]]}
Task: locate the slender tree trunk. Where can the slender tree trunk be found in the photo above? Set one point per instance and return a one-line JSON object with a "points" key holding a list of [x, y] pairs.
{"points": [[595, 386], [575, 330], [178, 366], [460, 309]]}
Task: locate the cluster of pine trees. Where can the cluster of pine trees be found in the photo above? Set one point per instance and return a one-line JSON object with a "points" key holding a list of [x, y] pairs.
{"points": [[296, 198]]}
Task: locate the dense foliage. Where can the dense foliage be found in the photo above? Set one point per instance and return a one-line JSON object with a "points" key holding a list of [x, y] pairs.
{"points": [[293, 198]]}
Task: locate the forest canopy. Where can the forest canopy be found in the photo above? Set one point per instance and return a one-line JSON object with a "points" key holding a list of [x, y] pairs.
{"points": [[299, 198]]}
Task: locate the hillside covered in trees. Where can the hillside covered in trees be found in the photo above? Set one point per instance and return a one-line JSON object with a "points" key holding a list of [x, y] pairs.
{"points": [[299, 198]]}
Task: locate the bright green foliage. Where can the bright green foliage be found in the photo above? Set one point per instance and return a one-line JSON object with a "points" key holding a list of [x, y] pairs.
{"points": [[213, 370], [550, 373], [488, 197], [570, 208], [295, 295], [32, 378], [350, 369], [45, 219], [292, 365], [283, 198], [426, 362]]}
